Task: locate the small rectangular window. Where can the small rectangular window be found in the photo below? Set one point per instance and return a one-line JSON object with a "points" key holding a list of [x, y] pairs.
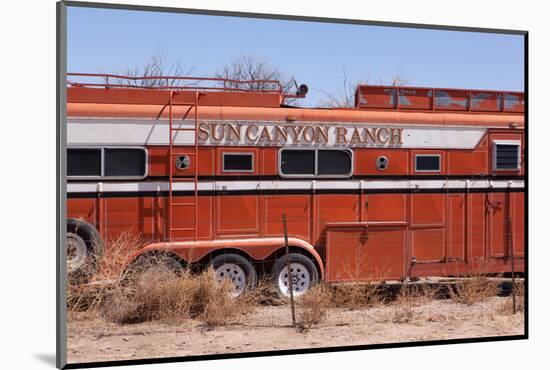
{"points": [[427, 163], [506, 156], [238, 162], [298, 162], [125, 162], [84, 162], [333, 162]]}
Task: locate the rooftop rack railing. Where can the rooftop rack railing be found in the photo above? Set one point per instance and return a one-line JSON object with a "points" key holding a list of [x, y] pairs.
{"points": [[172, 83]]}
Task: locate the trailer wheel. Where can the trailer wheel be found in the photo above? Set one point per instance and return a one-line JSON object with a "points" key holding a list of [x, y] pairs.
{"points": [[84, 251], [303, 274], [237, 269]]}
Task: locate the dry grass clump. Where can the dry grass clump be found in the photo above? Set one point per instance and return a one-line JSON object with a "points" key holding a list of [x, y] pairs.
{"points": [[117, 255], [266, 293], [153, 295], [356, 295], [311, 308], [474, 288], [89, 297], [213, 303], [507, 307], [86, 298], [520, 295], [153, 290], [158, 294], [405, 300]]}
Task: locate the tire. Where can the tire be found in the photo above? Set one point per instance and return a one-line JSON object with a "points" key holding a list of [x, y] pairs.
{"points": [[304, 270], [84, 251], [159, 261], [236, 268]]}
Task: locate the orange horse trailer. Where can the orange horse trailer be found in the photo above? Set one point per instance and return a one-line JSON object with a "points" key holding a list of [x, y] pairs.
{"points": [[411, 182]]}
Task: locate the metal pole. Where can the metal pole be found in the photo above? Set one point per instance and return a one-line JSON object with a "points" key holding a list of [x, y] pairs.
{"points": [[170, 165], [290, 284], [196, 200], [511, 250]]}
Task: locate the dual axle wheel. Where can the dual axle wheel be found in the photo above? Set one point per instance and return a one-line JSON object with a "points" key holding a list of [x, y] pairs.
{"points": [[303, 273], [241, 273], [85, 250]]}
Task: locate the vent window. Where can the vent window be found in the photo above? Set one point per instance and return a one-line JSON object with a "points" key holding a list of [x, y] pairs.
{"points": [[427, 163], [238, 162], [506, 156], [316, 162]]}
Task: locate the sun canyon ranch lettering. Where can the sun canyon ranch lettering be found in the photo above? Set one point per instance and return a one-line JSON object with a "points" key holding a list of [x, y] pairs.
{"points": [[281, 134]]}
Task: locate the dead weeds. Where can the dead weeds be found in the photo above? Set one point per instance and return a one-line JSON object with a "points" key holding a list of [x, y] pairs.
{"points": [[506, 307], [171, 298], [474, 288], [355, 296], [312, 307]]}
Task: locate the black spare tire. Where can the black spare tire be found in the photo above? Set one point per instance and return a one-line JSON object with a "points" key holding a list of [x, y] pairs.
{"points": [[84, 251]]}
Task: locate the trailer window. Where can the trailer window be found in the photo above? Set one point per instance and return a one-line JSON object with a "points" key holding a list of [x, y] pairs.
{"points": [[123, 162], [238, 162], [315, 162], [333, 162], [83, 162], [106, 163], [506, 156], [427, 163], [298, 162]]}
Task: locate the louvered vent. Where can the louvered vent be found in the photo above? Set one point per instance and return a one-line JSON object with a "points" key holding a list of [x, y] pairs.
{"points": [[506, 156]]}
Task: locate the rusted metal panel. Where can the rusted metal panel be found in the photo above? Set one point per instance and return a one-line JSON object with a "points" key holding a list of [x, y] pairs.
{"points": [[514, 102], [428, 245], [359, 252], [437, 99], [486, 102], [161, 97], [376, 97], [456, 221], [455, 100], [415, 98]]}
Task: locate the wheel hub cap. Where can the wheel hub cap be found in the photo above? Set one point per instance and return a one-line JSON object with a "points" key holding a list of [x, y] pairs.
{"points": [[76, 252], [233, 273], [299, 277]]}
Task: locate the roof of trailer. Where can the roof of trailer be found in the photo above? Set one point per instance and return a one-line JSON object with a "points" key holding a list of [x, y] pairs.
{"points": [[377, 104], [214, 91]]}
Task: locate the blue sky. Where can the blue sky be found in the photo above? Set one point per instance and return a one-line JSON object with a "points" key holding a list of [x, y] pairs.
{"points": [[103, 40]]}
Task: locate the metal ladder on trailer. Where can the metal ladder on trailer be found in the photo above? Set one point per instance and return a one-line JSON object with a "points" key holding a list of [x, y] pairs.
{"points": [[172, 155]]}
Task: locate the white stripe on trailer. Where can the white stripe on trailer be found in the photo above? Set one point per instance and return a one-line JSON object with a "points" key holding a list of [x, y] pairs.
{"points": [[294, 185]]}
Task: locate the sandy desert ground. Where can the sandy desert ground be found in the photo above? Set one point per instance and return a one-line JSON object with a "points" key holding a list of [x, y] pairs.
{"points": [[91, 338]]}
